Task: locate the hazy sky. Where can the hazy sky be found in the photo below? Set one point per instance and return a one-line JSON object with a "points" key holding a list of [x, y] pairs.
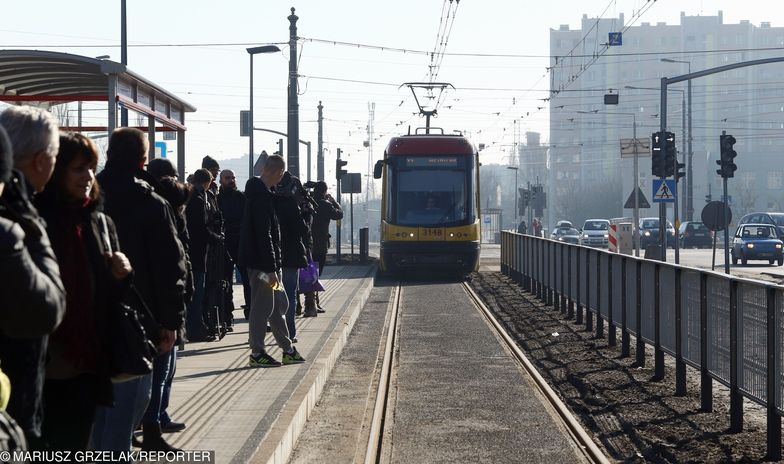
{"points": [[215, 78]]}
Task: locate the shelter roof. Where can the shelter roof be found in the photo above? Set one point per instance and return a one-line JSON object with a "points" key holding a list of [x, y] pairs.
{"points": [[67, 77]]}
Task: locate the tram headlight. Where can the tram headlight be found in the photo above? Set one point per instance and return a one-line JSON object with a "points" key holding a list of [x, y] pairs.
{"points": [[451, 234], [411, 235]]}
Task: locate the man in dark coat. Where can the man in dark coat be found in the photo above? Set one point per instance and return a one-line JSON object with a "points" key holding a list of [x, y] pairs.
{"points": [[231, 203], [260, 253], [146, 227], [32, 287], [327, 209], [202, 237], [217, 288]]}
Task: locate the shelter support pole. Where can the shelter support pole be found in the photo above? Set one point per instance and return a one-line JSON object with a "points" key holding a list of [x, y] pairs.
{"points": [[151, 138], [112, 104], [181, 154]]}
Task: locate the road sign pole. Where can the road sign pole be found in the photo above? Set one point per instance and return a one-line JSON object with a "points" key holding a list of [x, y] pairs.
{"points": [[726, 235], [636, 187]]}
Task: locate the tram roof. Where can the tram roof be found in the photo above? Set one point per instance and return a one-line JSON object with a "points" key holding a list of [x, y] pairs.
{"points": [[430, 144]]}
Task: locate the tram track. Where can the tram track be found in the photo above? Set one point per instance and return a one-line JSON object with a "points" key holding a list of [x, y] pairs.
{"points": [[577, 433], [379, 439], [381, 404]]}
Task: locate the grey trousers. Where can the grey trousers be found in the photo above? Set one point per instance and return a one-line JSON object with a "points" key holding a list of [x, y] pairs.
{"points": [[263, 310]]}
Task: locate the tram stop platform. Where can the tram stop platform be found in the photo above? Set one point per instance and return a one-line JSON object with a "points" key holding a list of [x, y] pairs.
{"points": [[251, 414]]}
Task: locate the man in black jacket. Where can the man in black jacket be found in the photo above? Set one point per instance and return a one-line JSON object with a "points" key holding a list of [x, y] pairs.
{"points": [[32, 285], [148, 235], [232, 206], [327, 209], [260, 254], [294, 233]]}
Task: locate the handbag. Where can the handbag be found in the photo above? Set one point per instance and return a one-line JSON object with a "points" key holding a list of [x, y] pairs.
{"points": [[130, 352], [309, 277]]}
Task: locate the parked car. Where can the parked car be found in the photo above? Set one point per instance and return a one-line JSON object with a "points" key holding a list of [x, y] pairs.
{"points": [[563, 225], [566, 235], [776, 219], [757, 241], [695, 234], [649, 232], [594, 233]]}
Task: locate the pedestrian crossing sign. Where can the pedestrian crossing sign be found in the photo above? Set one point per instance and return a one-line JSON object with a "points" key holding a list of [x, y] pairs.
{"points": [[664, 191]]}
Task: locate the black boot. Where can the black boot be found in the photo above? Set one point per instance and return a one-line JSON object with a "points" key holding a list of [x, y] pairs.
{"points": [[152, 440], [299, 305]]}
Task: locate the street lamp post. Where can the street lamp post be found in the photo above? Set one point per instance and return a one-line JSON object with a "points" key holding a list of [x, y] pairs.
{"points": [[254, 51], [689, 171], [636, 175], [676, 214], [516, 193]]}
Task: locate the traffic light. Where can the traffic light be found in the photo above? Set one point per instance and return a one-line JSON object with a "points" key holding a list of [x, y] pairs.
{"points": [[678, 172], [534, 191], [339, 163], [525, 197], [670, 154], [728, 154], [657, 154]]}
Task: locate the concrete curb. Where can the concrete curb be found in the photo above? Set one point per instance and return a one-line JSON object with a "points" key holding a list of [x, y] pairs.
{"points": [[277, 445]]}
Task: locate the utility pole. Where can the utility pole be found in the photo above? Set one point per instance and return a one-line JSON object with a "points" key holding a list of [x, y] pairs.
{"points": [[123, 53], [689, 170], [371, 117], [320, 142], [338, 224], [293, 113]]}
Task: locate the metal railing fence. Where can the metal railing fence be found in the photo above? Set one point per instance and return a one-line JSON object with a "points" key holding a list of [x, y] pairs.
{"points": [[728, 328]]}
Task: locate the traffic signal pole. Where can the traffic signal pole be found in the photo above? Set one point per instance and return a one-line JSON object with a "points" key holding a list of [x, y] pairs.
{"points": [[338, 223]]}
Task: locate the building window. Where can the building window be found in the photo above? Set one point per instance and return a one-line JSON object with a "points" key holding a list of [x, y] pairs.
{"points": [[775, 179]]}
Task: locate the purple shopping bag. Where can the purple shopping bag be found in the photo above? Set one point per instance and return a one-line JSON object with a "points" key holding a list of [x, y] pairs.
{"points": [[309, 278]]}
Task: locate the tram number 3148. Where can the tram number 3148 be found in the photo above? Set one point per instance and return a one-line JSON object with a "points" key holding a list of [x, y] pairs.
{"points": [[432, 233]]}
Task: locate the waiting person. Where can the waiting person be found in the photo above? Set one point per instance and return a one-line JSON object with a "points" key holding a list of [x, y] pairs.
{"points": [[201, 236], [293, 233], [96, 276], [522, 228], [177, 194], [148, 236], [327, 209], [232, 206], [34, 141], [217, 294], [260, 253]]}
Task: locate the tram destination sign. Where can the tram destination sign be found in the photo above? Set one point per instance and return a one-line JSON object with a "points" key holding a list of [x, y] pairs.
{"points": [[430, 161]]}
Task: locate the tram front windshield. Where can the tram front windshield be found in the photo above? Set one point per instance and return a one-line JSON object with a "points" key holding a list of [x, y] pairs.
{"points": [[432, 195]]}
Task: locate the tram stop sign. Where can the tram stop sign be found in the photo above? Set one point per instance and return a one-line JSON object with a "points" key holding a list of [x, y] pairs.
{"points": [[716, 215]]}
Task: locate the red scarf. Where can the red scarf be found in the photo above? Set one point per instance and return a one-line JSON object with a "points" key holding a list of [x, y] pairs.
{"points": [[77, 333]]}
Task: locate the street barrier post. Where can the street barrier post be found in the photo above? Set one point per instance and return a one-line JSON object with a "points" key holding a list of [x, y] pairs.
{"points": [[680, 365]]}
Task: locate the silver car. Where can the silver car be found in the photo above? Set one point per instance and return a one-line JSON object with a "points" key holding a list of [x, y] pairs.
{"points": [[595, 233]]}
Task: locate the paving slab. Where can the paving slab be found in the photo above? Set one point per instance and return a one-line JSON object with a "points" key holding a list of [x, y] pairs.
{"points": [[251, 414]]}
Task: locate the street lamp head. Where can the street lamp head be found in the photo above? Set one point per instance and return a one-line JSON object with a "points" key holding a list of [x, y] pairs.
{"points": [[512, 167], [263, 49]]}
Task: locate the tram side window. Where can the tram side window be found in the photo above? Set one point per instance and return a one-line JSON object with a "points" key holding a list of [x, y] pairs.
{"points": [[430, 197]]}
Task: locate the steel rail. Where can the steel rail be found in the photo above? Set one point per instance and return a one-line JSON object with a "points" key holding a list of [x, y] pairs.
{"points": [[375, 440], [583, 439]]}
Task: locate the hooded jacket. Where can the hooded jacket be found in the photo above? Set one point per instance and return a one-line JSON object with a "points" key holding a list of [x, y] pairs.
{"points": [[326, 211], [293, 232], [148, 236], [259, 233]]}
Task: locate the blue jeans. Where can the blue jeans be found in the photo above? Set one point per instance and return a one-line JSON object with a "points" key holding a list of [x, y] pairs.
{"points": [[160, 372], [164, 416], [290, 284], [114, 426], [194, 320]]}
